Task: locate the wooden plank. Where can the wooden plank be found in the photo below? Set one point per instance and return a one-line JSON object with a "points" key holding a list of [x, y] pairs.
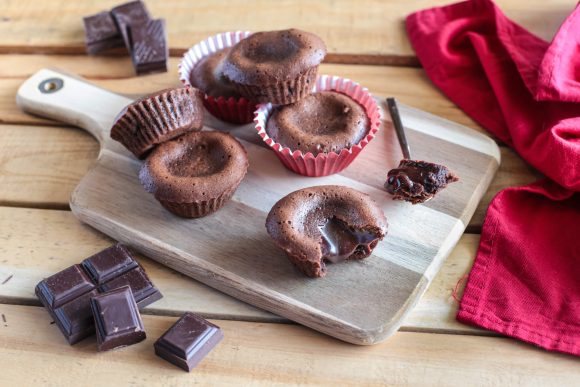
{"points": [[370, 31], [40, 166], [409, 85], [37, 243], [274, 354]]}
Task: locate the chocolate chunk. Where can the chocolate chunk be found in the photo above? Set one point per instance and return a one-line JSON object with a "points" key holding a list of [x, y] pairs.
{"points": [[75, 318], [128, 14], [109, 263], [188, 341], [418, 181], [148, 43], [101, 33], [143, 290], [117, 319], [64, 286], [66, 295]]}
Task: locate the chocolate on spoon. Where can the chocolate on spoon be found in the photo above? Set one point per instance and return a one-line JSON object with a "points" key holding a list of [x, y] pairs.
{"points": [[414, 181]]}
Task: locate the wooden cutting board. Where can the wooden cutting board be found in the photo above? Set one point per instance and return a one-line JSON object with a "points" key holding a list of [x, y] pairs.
{"points": [[359, 302]]}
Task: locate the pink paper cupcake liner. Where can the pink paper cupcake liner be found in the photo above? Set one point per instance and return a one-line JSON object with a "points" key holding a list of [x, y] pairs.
{"points": [[233, 110], [323, 164]]}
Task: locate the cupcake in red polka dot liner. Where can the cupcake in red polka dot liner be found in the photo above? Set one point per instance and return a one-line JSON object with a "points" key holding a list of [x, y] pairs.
{"points": [[324, 132], [201, 67]]}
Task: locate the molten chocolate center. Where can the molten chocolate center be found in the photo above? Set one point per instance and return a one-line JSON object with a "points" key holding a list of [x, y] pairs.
{"points": [[339, 241]]}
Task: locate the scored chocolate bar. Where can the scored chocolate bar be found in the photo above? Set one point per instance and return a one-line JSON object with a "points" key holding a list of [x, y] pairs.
{"points": [[64, 286], [141, 286], [149, 49], [75, 318], [117, 319], [128, 14], [66, 294], [188, 341], [101, 33], [109, 263]]}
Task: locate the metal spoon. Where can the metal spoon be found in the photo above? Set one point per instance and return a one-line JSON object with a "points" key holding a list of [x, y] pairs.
{"points": [[398, 124], [414, 181]]}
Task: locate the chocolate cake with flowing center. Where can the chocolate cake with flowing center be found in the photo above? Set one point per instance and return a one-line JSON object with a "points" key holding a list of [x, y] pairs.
{"points": [[418, 181], [326, 224], [208, 76], [322, 122]]}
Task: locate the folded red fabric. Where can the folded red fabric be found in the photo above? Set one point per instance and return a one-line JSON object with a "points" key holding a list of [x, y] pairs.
{"points": [[525, 281]]}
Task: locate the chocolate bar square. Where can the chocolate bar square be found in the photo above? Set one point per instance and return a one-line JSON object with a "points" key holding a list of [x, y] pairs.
{"points": [[66, 294], [64, 286], [128, 14], [144, 291], [188, 341], [149, 49], [75, 318], [117, 319], [101, 33], [109, 263]]}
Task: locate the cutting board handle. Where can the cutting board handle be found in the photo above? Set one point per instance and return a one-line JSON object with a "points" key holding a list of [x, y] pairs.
{"points": [[70, 99]]}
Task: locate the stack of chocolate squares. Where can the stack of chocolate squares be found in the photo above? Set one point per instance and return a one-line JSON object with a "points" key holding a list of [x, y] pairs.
{"points": [[104, 293], [68, 294], [131, 25]]}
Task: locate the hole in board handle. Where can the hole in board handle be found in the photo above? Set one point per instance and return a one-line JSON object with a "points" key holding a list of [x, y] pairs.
{"points": [[50, 85]]}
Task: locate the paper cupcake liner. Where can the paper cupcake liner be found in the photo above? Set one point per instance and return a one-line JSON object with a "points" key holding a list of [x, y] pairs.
{"points": [[158, 118], [198, 209], [323, 164], [236, 111], [232, 110], [282, 93]]}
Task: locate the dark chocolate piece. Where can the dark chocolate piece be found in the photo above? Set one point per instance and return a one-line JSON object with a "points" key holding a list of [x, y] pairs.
{"points": [[418, 181], [148, 43], [143, 290], [188, 341], [109, 263], [117, 319], [101, 33], [64, 286], [128, 14], [66, 295], [75, 318]]}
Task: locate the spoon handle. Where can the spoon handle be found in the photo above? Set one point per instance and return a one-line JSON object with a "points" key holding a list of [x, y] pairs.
{"points": [[394, 110]]}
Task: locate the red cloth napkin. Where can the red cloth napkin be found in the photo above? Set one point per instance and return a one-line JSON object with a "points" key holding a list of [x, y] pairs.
{"points": [[525, 281]]}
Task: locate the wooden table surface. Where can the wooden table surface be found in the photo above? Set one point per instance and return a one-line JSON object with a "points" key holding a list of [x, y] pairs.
{"points": [[41, 161]]}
